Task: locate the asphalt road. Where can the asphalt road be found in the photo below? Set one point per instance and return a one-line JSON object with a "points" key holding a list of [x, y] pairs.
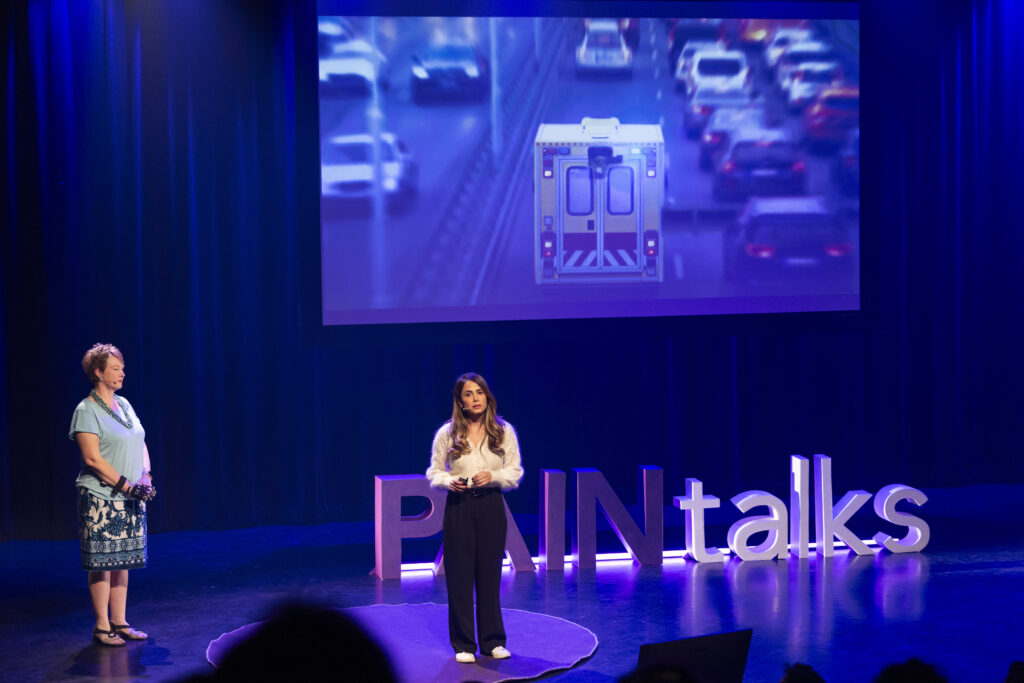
{"points": [[442, 137]]}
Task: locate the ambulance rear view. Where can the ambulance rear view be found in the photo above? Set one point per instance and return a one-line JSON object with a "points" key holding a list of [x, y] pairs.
{"points": [[598, 192]]}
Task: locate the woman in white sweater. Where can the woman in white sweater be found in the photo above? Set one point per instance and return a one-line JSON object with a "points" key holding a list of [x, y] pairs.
{"points": [[475, 456]]}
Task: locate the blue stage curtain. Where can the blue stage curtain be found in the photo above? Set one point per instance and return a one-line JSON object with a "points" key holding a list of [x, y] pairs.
{"points": [[153, 198]]}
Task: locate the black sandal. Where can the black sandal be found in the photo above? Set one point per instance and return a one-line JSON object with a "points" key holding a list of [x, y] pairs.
{"points": [[127, 632], [105, 638]]}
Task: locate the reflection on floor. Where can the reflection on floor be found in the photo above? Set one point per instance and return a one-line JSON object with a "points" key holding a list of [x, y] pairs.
{"points": [[958, 604]]}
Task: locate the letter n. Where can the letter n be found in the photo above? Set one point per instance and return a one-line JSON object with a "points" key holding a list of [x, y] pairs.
{"points": [[592, 488]]}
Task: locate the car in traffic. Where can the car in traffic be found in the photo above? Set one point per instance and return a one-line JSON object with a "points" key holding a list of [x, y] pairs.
{"points": [[706, 100], [353, 66], [360, 48], [347, 170], [630, 29], [760, 161], [725, 70], [449, 72], [755, 33], [801, 53], [845, 170], [787, 238], [835, 112], [720, 128], [332, 31], [604, 50], [685, 31], [780, 41], [809, 79], [685, 61], [348, 75]]}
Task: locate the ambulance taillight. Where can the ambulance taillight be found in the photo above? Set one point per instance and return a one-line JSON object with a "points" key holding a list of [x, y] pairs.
{"points": [[651, 252], [548, 246], [548, 162]]}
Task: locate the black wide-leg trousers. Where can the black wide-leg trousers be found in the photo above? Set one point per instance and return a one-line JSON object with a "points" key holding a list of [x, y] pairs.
{"points": [[474, 544]]}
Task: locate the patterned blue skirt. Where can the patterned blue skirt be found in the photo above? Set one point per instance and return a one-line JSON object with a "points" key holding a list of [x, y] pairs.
{"points": [[113, 533]]}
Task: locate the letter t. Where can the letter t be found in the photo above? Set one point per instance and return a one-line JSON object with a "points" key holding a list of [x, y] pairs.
{"points": [[693, 505]]}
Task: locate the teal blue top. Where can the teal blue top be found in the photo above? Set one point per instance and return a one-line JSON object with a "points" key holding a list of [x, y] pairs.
{"points": [[122, 448]]}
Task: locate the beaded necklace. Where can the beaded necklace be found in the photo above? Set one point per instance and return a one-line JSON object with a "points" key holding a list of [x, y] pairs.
{"points": [[126, 423]]}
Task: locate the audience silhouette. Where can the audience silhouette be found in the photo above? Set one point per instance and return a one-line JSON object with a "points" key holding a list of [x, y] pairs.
{"points": [[301, 642], [801, 673], [660, 673], [911, 671]]}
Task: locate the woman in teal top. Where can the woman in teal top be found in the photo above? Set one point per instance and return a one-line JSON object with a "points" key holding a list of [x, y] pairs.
{"points": [[113, 486]]}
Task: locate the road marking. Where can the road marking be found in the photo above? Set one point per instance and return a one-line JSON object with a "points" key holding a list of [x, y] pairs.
{"points": [[661, 120], [657, 69], [658, 95], [677, 263]]}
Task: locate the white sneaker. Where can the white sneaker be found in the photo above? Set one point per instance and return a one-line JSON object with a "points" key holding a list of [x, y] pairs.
{"points": [[500, 653], [465, 657]]}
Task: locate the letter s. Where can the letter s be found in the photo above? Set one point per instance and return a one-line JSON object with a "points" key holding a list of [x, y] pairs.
{"points": [[918, 533]]}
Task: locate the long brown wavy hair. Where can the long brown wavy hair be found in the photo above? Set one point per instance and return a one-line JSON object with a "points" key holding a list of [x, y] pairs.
{"points": [[494, 426]]}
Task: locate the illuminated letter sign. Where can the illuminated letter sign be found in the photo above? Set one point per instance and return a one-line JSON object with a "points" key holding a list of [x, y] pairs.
{"points": [[786, 531], [775, 545], [918, 532], [693, 505], [391, 527], [830, 521], [551, 539], [593, 488]]}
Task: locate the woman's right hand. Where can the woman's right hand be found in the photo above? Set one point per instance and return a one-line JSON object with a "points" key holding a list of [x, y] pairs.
{"points": [[457, 486], [141, 491]]}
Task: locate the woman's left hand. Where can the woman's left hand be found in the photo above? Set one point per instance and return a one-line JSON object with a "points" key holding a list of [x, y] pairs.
{"points": [[482, 478]]}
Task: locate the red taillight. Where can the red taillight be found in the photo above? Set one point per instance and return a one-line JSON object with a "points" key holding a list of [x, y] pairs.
{"points": [[839, 249], [729, 166], [651, 243], [712, 138], [815, 110], [701, 109], [799, 167], [760, 250]]}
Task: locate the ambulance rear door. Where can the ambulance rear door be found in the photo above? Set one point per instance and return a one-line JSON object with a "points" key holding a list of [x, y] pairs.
{"points": [[599, 226]]}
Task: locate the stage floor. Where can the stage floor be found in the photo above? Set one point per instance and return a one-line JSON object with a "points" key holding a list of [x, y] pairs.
{"points": [[957, 604]]}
